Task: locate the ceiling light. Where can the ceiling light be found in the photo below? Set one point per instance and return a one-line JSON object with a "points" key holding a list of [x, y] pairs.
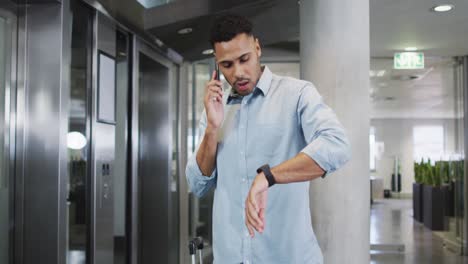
{"points": [[184, 31], [158, 42], [442, 8], [76, 140], [208, 52], [411, 49]]}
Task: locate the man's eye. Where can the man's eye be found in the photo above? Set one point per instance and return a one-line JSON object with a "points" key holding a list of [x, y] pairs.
{"points": [[226, 65], [244, 59]]}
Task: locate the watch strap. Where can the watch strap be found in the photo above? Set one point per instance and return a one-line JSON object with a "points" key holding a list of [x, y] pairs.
{"points": [[268, 175]]}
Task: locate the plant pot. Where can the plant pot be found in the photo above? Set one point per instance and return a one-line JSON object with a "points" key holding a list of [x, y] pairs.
{"points": [[449, 199], [433, 207], [418, 202], [459, 199], [396, 187]]}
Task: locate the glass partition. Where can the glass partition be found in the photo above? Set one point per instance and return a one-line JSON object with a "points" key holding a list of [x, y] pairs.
{"points": [[7, 23], [200, 215], [79, 135]]}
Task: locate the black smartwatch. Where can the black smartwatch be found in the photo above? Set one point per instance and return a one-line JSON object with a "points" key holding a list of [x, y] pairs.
{"points": [[268, 175]]}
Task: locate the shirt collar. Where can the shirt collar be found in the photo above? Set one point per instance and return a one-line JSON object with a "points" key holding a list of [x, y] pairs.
{"points": [[265, 80], [263, 85]]}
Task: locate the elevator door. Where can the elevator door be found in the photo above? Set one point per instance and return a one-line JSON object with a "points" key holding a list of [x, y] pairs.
{"points": [[97, 140], [156, 203], [109, 154]]}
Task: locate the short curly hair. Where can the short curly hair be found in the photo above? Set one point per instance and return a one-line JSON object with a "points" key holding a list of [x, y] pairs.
{"points": [[228, 26]]}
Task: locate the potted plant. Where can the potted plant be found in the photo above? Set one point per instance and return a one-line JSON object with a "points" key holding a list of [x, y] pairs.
{"points": [[418, 191], [459, 172], [433, 198], [448, 186]]}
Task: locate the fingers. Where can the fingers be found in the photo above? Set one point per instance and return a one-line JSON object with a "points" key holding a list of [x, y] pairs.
{"points": [[262, 215], [213, 81], [213, 75], [214, 91], [215, 95], [252, 215], [253, 218], [250, 228], [214, 84]]}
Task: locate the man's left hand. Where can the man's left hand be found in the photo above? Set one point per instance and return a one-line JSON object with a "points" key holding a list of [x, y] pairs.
{"points": [[255, 205]]}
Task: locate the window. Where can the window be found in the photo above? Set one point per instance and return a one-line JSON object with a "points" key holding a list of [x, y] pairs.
{"points": [[428, 142]]}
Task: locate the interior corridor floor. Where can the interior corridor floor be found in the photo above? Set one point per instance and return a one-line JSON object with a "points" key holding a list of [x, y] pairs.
{"points": [[397, 238]]}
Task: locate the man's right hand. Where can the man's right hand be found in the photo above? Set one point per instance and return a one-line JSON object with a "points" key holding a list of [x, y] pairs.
{"points": [[214, 103]]}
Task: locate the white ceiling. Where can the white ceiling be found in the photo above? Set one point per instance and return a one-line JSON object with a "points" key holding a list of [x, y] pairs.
{"points": [[397, 24], [427, 93], [394, 25]]}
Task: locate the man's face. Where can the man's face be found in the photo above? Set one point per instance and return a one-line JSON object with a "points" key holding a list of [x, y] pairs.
{"points": [[239, 61]]}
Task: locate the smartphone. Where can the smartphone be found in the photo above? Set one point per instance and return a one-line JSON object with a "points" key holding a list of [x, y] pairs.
{"points": [[217, 70]]}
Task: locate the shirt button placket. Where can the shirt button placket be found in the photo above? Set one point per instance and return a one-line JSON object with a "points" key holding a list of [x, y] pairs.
{"points": [[244, 180]]}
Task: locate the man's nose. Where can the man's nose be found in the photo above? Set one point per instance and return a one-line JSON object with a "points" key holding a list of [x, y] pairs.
{"points": [[238, 72]]}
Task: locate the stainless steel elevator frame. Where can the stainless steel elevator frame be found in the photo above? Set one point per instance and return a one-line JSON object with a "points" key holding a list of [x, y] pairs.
{"points": [[39, 97]]}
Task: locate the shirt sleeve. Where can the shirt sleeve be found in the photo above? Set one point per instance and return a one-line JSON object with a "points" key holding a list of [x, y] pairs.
{"points": [[327, 142], [198, 183]]}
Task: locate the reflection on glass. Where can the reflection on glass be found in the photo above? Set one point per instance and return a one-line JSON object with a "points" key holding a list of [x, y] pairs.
{"points": [[423, 129], [76, 140], [5, 37], [120, 173], [154, 3], [200, 208], [78, 149], [174, 181], [457, 170]]}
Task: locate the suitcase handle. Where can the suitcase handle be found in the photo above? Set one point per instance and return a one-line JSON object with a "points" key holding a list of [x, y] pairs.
{"points": [[194, 244]]}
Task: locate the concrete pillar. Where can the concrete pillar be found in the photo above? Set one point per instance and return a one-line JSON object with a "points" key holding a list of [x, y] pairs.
{"points": [[334, 49]]}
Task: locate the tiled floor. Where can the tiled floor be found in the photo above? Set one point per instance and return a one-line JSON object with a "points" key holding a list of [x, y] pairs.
{"points": [[397, 238]]}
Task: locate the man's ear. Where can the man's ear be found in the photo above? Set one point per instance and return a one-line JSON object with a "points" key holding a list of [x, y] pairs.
{"points": [[258, 48]]}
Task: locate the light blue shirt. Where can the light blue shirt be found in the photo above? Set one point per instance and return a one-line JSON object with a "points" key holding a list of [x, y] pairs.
{"points": [[280, 118]]}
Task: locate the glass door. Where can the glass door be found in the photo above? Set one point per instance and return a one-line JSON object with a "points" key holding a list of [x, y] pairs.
{"points": [[79, 135], [7, 86]]}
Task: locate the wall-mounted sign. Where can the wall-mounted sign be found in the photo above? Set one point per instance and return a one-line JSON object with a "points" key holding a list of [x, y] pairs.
{"points": [[408, 60], [106, 89]]}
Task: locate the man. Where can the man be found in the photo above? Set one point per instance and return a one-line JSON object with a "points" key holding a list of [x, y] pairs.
{"points": [[261, 213]]}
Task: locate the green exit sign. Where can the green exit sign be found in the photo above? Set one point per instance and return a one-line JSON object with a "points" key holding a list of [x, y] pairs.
{"points": [[408, 60]]}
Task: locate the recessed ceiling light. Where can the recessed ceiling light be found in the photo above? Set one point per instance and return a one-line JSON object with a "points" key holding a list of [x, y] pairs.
{"points": [[184, 31], [208, 52], [442, 8], [411, 49], [378, 73], [158, 42]]}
